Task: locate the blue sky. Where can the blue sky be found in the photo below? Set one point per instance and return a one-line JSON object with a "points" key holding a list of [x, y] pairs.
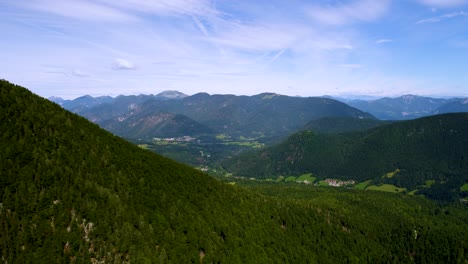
{"points": [[69, 48]]}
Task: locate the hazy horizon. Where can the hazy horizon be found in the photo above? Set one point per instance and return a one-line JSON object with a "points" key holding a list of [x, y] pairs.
{"points": [[337, 97], [340, 48]]}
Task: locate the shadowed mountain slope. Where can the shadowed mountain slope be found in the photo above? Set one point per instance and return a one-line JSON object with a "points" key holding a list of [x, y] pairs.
{"points": [[400, 108], [161, 124], [263, 115]]}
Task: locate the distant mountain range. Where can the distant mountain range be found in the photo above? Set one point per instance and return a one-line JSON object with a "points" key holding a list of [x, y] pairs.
{"points": [[226, 125], [86, 102], [263, 115], [399, 108], [454, 106], [409, 106]]}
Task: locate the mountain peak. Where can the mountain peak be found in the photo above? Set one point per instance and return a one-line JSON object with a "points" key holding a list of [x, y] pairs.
{"points": [[171, 94], [56, 99], [409, 96]]}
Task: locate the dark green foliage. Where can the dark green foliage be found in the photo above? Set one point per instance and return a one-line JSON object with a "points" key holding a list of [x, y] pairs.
{"points": [[431, 148], [336, 125], [396, 221], [71, 192]]}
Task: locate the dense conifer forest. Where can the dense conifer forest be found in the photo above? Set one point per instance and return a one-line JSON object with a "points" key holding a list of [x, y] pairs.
{"points": [[406, 154], [71, 192]]}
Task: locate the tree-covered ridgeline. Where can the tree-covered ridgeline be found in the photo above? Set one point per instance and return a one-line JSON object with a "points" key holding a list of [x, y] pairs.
{"points": [[71, 192], [427, 149]]}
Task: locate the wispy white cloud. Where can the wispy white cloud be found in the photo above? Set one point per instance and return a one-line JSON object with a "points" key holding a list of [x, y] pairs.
{"points": [[200, 26], [277, 55], [53, 70], [122, 64], [442, 17], [326, 42], [358, 10], [79, 73], [78, 9], [168, 7], [211, 45], [383, 41], [443, 3], [257, 37]]}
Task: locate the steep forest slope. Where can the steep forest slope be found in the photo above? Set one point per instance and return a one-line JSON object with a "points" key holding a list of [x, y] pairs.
{"points": [[73, 193], [338, 125]]}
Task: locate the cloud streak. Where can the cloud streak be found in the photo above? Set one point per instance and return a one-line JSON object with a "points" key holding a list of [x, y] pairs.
{"points": [[383, 41], [122, 64], [168, 7], [79, 9], [355, 11], [443, 3], [216, 46], [256, 37], [442, 17]]}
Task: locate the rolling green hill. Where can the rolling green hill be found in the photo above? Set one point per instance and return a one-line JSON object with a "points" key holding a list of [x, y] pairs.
{"points": [[71, 192], [431, 148], [337, 125]]}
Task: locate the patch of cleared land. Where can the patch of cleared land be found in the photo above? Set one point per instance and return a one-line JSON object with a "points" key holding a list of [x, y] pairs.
{"points": [[323, 183], [143, 146], [386, 188], [290, 179], [429, 183], [279, 179], [391, 174], [306, 177], [362, 185], [464, 188]]}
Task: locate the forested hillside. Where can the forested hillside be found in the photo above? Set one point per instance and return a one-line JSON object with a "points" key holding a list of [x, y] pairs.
{"points": [[433, 148], [337, 125], [203, 129], [73, 193]]}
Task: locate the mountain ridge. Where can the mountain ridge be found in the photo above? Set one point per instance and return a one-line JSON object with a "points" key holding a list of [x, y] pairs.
{"points": [[429, 148], [263, 115], [404, 107]]}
